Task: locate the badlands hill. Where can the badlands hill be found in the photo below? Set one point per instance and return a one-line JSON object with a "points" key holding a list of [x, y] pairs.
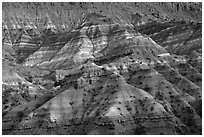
{"points": [[102, 68]]}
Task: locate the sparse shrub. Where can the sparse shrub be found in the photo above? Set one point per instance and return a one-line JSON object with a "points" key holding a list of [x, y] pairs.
{"points": [[20, 114]]}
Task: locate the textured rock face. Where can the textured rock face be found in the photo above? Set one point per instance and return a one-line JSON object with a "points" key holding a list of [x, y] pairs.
{"points": [[123, 73], [95, 42], [179, 37]]}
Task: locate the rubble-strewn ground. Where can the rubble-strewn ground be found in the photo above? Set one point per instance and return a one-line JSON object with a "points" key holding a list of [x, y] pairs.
{"points": [[102, 68]]}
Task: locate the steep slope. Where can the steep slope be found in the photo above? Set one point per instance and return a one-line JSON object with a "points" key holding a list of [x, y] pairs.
{"points": [[41, 20], [178, 37], [113, 72]]}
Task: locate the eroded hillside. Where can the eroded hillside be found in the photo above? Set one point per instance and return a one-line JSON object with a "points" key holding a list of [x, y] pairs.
{"points": [[102, 68]]}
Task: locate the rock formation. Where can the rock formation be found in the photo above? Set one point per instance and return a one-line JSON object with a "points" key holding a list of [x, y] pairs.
{"points": [[114, 69]]}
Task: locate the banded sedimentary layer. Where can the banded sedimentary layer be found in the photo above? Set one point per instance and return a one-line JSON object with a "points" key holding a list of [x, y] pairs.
{"points": [[107, 75]]}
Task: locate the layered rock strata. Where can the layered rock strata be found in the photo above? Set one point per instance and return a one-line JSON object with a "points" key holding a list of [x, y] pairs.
{"points": [[106, 77]]}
